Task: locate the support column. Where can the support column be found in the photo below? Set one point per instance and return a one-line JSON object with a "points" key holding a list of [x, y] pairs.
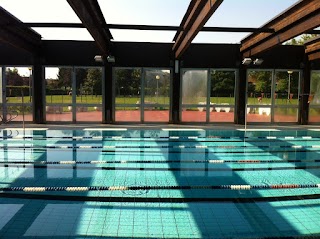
{"points": [[108, 116], [175, 94], [305, 90], [239, 116], [38, 100]]}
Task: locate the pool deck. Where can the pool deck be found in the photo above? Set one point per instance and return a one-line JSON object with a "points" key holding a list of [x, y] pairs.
{"points": [[156, 126]]}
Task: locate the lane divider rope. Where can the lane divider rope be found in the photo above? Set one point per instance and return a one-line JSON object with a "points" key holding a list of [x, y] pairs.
{"points": [[125, 188], [210, 161]]}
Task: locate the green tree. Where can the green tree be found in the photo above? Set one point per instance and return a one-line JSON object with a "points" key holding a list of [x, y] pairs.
{"points": [[128, 81], [301, 39], [13, 78], [261, 80], [93, 82], [222, 83], [65, 78], [14, 82]]}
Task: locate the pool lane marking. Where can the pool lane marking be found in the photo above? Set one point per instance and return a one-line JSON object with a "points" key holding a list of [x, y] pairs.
{"points": [[258, 130], [26, 129], [172, 169], [210, 161], [105, 129], [182, 138], [179, 187], [49, 146], [179, 129], [113, 149]]}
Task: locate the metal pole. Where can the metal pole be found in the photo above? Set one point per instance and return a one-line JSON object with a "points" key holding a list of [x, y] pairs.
{"points": [[289, 84]]}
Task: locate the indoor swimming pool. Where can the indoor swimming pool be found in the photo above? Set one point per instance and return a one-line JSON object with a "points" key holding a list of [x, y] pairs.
{"points": [[159, 183]]}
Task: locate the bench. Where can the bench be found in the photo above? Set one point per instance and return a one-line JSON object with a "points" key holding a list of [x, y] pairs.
{"points": [[266, 111], [204, 108], [54, 109], [149, 105], [222, 108]]}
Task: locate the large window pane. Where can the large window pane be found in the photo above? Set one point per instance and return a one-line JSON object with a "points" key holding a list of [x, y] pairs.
{"points": [[314, 97], [19, 93], [222, 99], [286, 96], [194, 95], [58, 93], [287, 88], [88, 94], [127, 94], [259, 96], [156, 95]]}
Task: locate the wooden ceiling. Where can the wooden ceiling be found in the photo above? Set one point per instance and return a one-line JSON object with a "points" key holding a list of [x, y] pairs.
{"points": [[302, 17]]}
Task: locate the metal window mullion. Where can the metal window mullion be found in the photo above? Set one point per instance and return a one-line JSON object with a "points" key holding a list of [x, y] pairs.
{"points": [[273, 88], [103, 106], [4, 92], [74, 94], [142, 86], [208, 95]]}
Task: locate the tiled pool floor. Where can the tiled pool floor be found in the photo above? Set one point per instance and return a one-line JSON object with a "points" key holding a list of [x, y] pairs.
{"points": [[26, 218], [162, 183]]}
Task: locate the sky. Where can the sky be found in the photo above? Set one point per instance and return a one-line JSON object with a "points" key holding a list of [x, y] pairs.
{"points": [[231, 13]]}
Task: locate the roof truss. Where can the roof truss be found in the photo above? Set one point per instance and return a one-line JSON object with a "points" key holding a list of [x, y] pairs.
{"points": [[198, 13], [14, 33], [298, 19], [313, 49], [92, 18]]}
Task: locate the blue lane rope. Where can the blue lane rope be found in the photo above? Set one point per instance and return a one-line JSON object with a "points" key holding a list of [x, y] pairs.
{"points": [[109, 147], [125, 188], [209, 161], [166, 169], [174, 138]]}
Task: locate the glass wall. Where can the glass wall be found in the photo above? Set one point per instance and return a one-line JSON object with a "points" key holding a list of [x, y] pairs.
{"points": [[18, 94], [142, 95], [58, 93], [88, 94], [194, 92], [127, 94], [1, 96], [273, 96], [73, 94], [156, 101], [314, 98], [222, 95], [259, 97], [286, 96]]}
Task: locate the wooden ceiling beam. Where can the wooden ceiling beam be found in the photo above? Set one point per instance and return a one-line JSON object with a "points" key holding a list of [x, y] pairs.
{"points": [[312, 48], [294, 21], [90, 14], [314, 56], [14, 33], [200, 13], [279, 38]]}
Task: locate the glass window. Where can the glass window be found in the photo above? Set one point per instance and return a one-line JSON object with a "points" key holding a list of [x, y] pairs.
{"points": [[156, 95], [259, 98], [89, 94], [127, 94], [286, 96], [18, 93], [222, 95], [314, 97], [194, 95], [58, 93]]}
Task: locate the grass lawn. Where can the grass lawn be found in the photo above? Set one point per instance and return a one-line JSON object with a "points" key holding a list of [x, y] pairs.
{"points": [[93, 99]]}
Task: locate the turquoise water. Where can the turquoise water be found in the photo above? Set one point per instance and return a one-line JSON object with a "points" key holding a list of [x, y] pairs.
{"points": [[159, 184]]}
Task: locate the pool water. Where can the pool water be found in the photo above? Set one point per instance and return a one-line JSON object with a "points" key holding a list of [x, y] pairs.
{"points": [[161, 183]]}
